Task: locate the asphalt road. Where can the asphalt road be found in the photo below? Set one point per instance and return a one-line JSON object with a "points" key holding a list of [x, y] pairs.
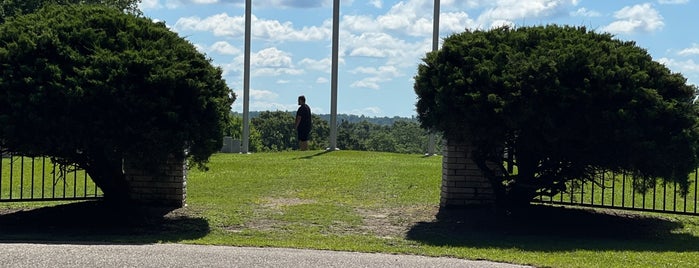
{"points": [[19, 255]]}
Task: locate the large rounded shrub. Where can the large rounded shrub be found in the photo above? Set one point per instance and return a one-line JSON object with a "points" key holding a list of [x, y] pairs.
{"points": [[91, 85], [565, 102]]}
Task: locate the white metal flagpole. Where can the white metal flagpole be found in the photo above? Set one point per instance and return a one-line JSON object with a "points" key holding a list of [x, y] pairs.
{"points": [[333, 94], [435, 47], [246, 79]]}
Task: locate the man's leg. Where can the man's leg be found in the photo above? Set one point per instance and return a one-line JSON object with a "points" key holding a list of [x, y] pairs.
{"points": [[303, 145]]}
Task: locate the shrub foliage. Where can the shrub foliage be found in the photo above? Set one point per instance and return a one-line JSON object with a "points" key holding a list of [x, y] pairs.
{"points": [[92, 85], [565, 102]]}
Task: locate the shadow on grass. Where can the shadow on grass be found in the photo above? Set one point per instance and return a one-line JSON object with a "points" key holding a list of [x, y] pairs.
{"points": [[94, 221], [553, 229], [315, 155]]}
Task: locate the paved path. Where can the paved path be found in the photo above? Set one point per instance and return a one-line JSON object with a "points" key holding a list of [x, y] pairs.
{"points": [[19, 255]]}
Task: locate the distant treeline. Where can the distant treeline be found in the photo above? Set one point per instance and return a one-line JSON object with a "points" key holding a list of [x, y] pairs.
{"points": [[274, 131], [351, 118]]}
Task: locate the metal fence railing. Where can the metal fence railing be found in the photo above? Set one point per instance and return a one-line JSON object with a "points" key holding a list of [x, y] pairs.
{"points": [[617, 191], [38, 179]]}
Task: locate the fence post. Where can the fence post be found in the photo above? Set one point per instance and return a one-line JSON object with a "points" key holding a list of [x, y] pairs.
{"points": [[463, 183], [164, 185]]}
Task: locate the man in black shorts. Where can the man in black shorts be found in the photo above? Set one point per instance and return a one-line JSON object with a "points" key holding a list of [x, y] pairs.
{"points": [[303, 123]]}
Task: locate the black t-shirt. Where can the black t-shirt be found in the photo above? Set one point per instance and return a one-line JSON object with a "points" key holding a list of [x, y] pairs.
{"points": [[305, 113]]}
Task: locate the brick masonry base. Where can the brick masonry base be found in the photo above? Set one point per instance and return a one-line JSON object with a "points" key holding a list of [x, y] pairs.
{"points": [[463, 184], [162, 186]]}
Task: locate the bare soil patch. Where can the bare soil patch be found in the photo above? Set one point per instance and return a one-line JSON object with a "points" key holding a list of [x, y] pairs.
{"points": [[395, 222]]}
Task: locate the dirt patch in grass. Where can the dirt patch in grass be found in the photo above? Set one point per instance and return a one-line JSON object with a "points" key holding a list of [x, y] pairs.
{"points": [[395, 222], [262, 220], [281, 202], [379, 222]]}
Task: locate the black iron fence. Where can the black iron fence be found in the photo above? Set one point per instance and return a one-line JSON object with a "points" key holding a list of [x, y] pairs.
{"points": [[617, 191], [39, 179]]}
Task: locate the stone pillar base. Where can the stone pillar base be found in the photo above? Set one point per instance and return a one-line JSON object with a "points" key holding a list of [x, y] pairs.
{"points": [[165, 185], [463, 183]]}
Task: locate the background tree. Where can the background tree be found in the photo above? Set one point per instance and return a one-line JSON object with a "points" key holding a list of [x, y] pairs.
{"points": [[409, 137], [9, 8], [381, 141], [345, 137], [276, 130], [567, 103], [320, 133], [234, 129], [92, 85], [401, 136]]}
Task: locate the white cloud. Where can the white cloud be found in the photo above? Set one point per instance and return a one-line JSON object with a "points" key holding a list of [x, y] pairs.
{"points": [[263, 100], [367, 111], [258, 3], [354, 23], [694, 50], [265, 106], [502, 11], [643, 18], [415, 18], [295, 3], [275, 71], [412, 18], [149, 4], [219, 25], [224, 25], [368, 51], [322, 80], [266, 62], [584, 12], [378, 75], [225, 48], [271, 57], [204, 1], [323, 65], [400, 37], [464, 4], [200, 48], [502, 23], [393, 49], [263, 95], [672, 2], [374, 44], [369, 82], [385, 71], [453, 22], [376, 3], [173, 4], [688, 68], [229, 68]]}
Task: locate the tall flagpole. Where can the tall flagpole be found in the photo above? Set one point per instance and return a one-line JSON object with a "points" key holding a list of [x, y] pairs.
{"points": [[333, 94], [435, 47], [246, 79]]}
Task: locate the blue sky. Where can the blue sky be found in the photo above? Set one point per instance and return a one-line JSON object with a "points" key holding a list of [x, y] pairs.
{"points": [[382, 42]]}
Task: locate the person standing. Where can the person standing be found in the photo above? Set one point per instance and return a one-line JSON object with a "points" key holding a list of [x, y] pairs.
{"points": [[303, 123]]}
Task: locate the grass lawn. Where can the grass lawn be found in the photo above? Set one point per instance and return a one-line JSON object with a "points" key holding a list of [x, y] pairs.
{"points": [[369, 202]]}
